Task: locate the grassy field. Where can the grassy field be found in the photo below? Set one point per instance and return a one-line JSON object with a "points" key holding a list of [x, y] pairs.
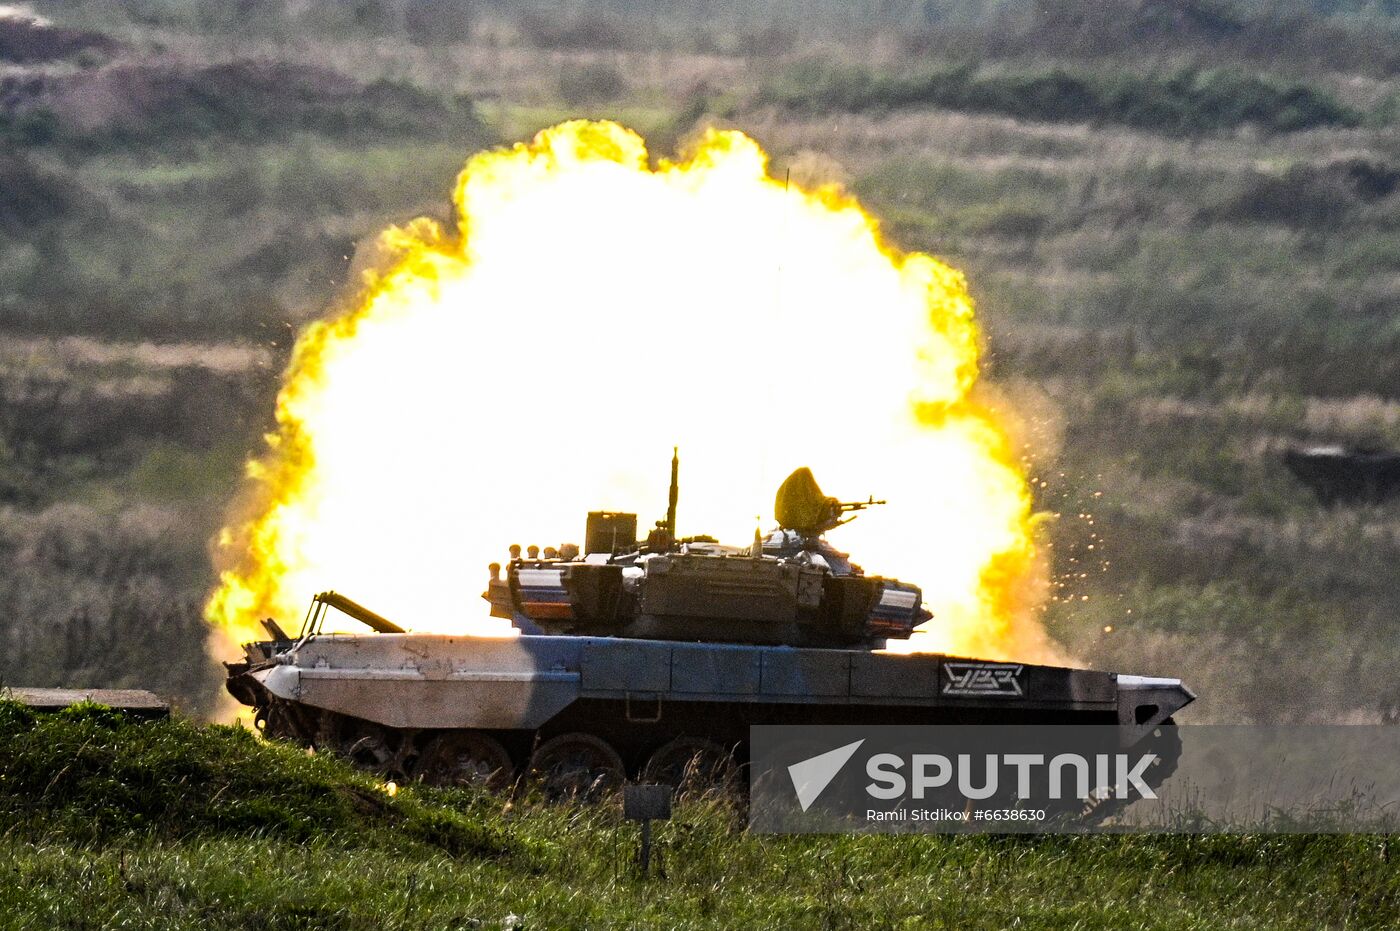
{"points": [[167, 825]]}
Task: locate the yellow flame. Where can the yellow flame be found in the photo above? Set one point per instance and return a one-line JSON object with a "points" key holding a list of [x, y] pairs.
{"points": [[494, 382]]}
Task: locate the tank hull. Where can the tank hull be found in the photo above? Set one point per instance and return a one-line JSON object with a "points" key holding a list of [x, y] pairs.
{"points": [[638, 695]]}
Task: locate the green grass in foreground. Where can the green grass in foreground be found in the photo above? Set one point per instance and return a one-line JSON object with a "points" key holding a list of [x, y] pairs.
{"points": [[316, 845]]}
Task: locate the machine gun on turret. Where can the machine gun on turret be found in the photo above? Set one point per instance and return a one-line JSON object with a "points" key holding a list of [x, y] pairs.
{"points": [[801, 507]]}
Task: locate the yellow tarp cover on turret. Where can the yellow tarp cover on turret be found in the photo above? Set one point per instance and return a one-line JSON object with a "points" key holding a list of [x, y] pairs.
{"points": [[801, 506]]}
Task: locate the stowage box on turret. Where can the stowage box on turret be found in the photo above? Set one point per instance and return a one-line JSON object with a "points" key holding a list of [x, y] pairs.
{"points": [[652, 659]]}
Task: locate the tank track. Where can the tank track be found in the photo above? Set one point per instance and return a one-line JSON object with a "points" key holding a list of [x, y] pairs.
{"points": [[1165, 742], [567, 766]]}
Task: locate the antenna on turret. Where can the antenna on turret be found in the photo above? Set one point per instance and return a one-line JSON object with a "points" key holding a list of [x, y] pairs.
{"points": [[675, 491]]}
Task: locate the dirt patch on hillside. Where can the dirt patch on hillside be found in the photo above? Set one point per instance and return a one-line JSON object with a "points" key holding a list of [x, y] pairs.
{"points": [[26, 39], [248, 99]]}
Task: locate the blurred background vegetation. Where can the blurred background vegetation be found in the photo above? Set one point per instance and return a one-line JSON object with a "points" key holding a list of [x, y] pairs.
{"points": [[1180, 218]]}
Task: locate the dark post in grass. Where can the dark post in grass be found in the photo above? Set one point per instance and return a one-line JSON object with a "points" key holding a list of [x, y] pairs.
{"points": [[646, 803]]}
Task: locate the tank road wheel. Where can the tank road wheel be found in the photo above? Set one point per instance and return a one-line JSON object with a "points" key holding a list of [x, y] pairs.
{"points": [[464, 758], [693, 766], [576, 766], [275, 720], [367, 746]]}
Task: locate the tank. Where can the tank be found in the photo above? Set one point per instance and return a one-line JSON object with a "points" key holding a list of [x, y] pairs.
{"points": [[1346, 474], [651, 659]]}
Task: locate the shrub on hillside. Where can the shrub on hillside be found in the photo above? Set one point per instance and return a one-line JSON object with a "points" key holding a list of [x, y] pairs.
{"points": [[594, 82], [1186, 102], [581, 31], [1307, 196]]}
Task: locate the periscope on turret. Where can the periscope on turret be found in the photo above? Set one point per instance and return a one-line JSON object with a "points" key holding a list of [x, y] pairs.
{"points": [[652, 658]]}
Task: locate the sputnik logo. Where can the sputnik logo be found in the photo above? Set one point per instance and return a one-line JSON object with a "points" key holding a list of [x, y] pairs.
{"points": [[811, 776]]}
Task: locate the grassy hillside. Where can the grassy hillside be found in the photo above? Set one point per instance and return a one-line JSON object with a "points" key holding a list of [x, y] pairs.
{"points": [[1180, 222], [167, 825]]}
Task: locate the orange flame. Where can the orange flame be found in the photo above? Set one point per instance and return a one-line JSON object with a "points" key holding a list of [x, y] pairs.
{"points": [[495, 381]]}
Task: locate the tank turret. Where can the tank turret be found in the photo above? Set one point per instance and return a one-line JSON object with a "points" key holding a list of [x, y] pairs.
{"points": [[790, 587]]}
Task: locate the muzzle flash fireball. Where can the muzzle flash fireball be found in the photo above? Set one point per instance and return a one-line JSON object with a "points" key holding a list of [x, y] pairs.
{"points": [[590, 308]]}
